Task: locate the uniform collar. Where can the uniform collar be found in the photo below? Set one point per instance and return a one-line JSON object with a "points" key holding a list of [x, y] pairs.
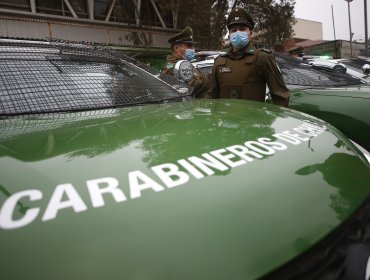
{"points": [[172, 58], [248, 50]]}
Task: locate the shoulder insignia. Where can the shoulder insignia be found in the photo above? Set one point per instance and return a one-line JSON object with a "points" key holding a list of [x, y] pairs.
{"points": [[169, 66], [266, 50], [250, 51]]}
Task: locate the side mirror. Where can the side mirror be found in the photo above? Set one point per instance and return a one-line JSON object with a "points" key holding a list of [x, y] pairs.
{"points": [[366, 69], [184, 71]]}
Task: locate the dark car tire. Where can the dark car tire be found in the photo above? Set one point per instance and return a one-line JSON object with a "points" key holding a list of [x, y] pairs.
{"points": [[355, 263], [339, 69]]}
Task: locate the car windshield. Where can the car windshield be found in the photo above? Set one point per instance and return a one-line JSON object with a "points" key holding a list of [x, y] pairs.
{"points": [[61, 77]]}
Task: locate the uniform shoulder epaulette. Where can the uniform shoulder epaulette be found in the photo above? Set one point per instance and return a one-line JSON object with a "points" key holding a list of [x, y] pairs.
{"points": [[169, 66], [265, 50], [221, 59]]}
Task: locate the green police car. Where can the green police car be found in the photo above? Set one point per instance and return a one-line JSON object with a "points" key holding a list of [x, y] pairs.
{"points": [[341, 99], [110, 172]]}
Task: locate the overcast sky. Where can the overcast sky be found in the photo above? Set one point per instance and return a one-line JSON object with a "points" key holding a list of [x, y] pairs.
{"points": [[320, 10]]}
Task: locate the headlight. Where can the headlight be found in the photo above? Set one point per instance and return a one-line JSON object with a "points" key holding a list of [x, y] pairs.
{"points": [[184, 70]]}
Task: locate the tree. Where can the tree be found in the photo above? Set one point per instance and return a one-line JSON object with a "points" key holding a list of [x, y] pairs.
{"points": [[274, 20], [206, 17], [218, 23]]}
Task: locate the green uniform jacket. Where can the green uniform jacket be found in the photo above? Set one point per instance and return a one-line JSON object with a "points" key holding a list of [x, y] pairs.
{"points": [[245, 75], [200, 83]]}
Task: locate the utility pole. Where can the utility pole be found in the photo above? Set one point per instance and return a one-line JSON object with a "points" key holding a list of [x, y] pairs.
{"points": [[366, 38], [335, 38], [349, 20], [332, 15]]}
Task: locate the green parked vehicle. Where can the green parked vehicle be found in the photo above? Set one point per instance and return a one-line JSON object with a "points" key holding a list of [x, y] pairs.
{"points": [[347, 108], [109, 172], [340, 99]]}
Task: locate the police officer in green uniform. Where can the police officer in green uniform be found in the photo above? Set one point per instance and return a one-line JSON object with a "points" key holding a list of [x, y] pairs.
{"points": [[182, 47], [244, 71]]}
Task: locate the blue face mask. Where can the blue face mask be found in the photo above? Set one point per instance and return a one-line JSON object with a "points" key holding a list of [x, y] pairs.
{"points": [[189, 54], [239, 39]]}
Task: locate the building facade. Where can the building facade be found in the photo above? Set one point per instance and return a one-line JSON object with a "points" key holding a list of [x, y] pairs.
{"points": [[308, 29], [137, 27]]}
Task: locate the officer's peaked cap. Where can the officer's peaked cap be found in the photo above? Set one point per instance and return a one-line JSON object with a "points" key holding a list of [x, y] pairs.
{"points": [[296, 50], [185, 36], [240, 16]]}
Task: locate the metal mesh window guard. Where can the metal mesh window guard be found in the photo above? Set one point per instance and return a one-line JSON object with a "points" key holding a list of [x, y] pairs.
{"points": [[297, 74], [60, 77]]}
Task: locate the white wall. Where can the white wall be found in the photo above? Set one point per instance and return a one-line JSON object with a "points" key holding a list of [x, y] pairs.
{"points": [[308, 29]]}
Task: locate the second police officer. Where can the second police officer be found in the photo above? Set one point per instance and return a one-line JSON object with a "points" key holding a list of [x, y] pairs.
{"points": [[244, 71], [182, 47]]}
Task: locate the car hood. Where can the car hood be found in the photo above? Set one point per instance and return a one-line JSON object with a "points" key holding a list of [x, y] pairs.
{"points": [[126, 193]]}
